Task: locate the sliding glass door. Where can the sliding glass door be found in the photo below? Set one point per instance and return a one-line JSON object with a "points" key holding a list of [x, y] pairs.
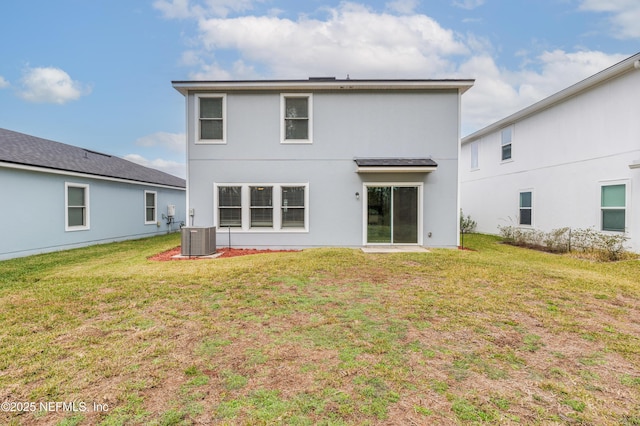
{"points": [[392, 214]]}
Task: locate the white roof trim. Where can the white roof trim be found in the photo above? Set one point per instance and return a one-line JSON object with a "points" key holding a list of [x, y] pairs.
{"points": [[620, 68], [185, 87], [84, 175], [635, 165]]}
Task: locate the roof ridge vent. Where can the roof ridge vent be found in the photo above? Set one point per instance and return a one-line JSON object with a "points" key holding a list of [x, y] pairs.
{"points": [[94, 152]]}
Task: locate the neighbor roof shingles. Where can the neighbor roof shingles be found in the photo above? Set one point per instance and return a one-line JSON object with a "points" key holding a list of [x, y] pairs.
{"points": [[19, 148]]}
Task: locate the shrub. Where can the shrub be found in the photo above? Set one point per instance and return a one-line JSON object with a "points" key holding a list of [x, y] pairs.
{"points": [[598, 245], [606, 247], [467, 225], [558, 240]]}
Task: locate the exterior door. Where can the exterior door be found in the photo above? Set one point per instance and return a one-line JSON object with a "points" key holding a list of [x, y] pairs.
{"points": [[392, 214]]}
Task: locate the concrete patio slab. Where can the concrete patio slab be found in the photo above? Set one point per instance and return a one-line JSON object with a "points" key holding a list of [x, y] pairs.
{"points": [[394, 249]]}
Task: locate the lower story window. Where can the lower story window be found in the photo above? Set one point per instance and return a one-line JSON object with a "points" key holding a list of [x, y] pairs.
{"points": [[264, 207], [613, 207], [150, 207], [261, 207], [293, 206], [526, 208], [77, 206], [230, 206]]}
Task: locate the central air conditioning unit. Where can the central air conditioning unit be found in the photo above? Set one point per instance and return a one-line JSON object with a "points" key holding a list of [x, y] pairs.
{"points": [[198, 241]]}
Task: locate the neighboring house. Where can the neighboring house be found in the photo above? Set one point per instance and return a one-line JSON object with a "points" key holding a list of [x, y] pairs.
{"points": [[324, 162], [570, 160], [56, 196]]}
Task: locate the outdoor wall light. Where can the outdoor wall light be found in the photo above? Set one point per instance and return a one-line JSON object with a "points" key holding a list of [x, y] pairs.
{"points": [[357, 195]]}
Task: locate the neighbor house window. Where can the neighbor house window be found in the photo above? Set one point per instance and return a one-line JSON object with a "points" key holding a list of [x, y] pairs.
{"points": [[474, 155], [613, 207], [150, 207], [77, 206], [506, 136], [296, 111], [261, 206], [293, 206], [526, 208], [230, 206], [211, 118]]}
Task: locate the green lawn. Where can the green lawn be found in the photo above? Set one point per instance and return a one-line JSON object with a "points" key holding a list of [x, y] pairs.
{"points": [[324, 336]]}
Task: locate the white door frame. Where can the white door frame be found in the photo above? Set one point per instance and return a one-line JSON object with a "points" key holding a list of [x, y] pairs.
{"points": [[365, 213]]}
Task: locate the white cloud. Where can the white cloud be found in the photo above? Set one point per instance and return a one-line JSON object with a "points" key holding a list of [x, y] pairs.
{"points": [[171, 141], [625, 15], [51, 85], [239, 70], [172, 167], [405, 7], [498, 93], [468, 4], [174, 9], [353, 40], [181, 9], [3, 83]]}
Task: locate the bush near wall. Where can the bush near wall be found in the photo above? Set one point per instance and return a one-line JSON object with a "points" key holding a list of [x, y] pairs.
{"points": [[589, 242]]}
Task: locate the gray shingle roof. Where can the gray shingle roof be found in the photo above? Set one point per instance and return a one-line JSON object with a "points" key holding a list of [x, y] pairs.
{"points": [[18, 148], [395, 162]]}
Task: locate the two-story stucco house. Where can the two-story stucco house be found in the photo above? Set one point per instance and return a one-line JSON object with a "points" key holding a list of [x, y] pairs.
{"points": [[570, 160], [324, 162], [56, 196]]}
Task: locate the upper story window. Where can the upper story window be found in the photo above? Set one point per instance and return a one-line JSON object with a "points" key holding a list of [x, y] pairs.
{"points": [[211, 118], [506, 136], [613, 207], [77, 207], [526, 208], [474, 155], [150, 207], [297, 118]]}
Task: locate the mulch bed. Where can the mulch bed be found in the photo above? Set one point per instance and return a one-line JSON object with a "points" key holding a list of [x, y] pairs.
{"points": [[225, 252]]}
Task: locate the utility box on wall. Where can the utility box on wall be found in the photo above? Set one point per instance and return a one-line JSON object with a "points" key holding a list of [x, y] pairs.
{"points": [[198, 241]]}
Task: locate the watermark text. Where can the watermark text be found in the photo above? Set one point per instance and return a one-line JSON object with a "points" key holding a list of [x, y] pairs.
{"points": [[53, 407]]}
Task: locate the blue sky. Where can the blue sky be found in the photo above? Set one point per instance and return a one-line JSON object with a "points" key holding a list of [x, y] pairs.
{"points": [[97, 73]]}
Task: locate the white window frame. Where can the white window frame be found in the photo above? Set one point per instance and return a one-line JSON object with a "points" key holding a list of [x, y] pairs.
{"points": [[283, 116], [218, 207], [365, 213], [474, 150], [267, 207], [627, 213], [87, 202], [283, 208], [276, 205], [196, 124], [525, 225], [503, 144], [155, 208]]}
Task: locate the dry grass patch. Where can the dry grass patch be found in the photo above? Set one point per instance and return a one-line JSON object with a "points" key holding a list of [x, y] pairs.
{"points": [[325, 336]]}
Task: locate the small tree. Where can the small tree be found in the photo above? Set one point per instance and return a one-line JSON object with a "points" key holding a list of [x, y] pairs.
{"points": [[467, 225]]}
